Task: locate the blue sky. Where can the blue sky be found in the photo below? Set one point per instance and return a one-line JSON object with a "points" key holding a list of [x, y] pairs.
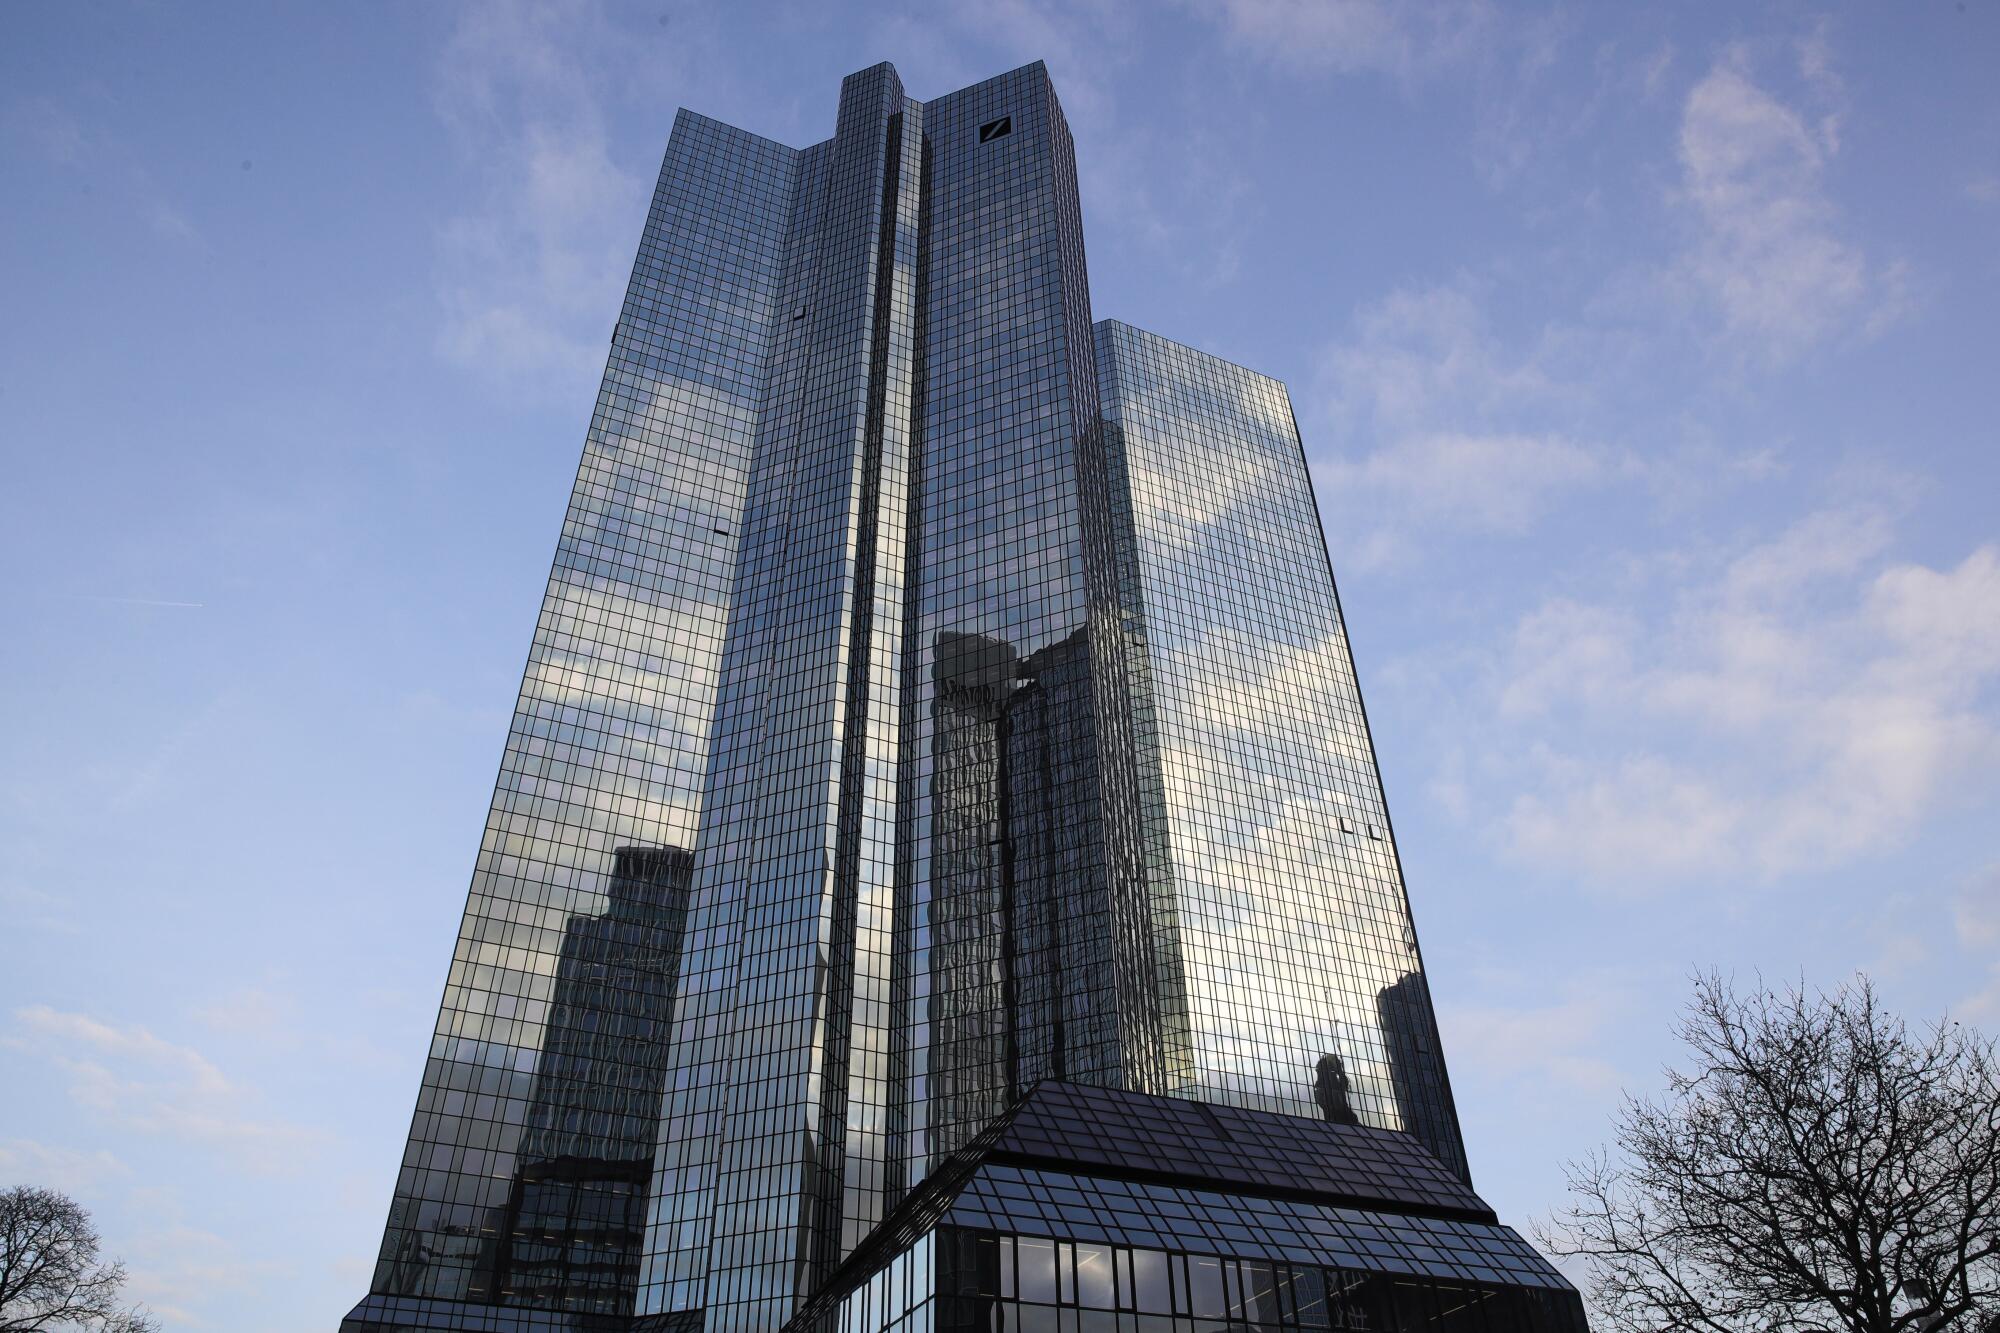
{"points": [[1645, 356]]}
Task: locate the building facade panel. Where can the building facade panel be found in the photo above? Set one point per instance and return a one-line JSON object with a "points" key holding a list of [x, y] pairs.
{"points": [[1294, 980], [522, 1181]]}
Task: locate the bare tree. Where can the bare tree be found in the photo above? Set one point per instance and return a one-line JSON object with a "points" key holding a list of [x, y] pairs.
{"points": [[50, 1275], [1819, 1167]]}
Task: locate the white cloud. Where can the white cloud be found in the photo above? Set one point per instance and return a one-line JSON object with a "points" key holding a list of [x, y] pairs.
{"points": [[1352, 36], [1768, 255], [1565, 650], [129, 1078], [1805, 704], [1816, 67], [80, 1031]]}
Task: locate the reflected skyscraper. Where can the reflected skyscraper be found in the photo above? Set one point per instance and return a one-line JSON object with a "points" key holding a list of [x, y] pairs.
{"points": [[939, 876], [575, 1219]]}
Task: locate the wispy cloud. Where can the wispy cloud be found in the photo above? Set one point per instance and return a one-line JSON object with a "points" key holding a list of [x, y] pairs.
{"points": [[1427, 357], [1456, 424], [80, 1172], [1474, 484], [1978, 913], [127, 1077], [54, 131], [179, 1270], [1768, 254], [51, 129], [1353, 36], [29, 908], [1983, 1005], [133, 601]]}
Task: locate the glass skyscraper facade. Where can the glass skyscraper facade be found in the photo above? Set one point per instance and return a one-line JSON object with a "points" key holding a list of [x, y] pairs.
{"points": [[939, 877]]}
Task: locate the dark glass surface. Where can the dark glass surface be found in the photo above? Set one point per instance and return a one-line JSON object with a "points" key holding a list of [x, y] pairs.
{"points": [[1097, 1129]]}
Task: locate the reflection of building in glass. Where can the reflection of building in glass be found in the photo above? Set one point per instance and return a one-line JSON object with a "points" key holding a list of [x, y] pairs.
{"points": [[1016, 941], [987, 662], [576, 1217], [974, 1059], [568, 1235], [1423, 1105], [1330, 1091], [1058, 916]]}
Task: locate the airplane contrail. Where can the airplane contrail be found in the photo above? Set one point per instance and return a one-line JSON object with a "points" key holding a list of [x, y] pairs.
{"points": [[136, 601]]}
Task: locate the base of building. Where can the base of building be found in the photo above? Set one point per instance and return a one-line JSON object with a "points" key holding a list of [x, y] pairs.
{"points": [[1084, 1210]]}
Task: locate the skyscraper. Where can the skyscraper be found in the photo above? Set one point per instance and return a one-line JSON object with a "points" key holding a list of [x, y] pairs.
{"points": [[939, 876]]}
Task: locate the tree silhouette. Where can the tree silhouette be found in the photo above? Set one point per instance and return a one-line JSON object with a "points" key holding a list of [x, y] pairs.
{"points": [[50, 1275], [1817, 1167]]}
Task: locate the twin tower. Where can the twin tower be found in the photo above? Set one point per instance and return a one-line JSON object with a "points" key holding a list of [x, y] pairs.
{"points": [[938, 878]]}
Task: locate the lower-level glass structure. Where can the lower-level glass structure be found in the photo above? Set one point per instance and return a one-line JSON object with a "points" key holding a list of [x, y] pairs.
{"points": [[1085, 1211]]}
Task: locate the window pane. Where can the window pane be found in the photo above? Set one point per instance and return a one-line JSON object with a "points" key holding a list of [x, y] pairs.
{"points": [[1205, 1286], [1037, 1260], [1151, 1283]]}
